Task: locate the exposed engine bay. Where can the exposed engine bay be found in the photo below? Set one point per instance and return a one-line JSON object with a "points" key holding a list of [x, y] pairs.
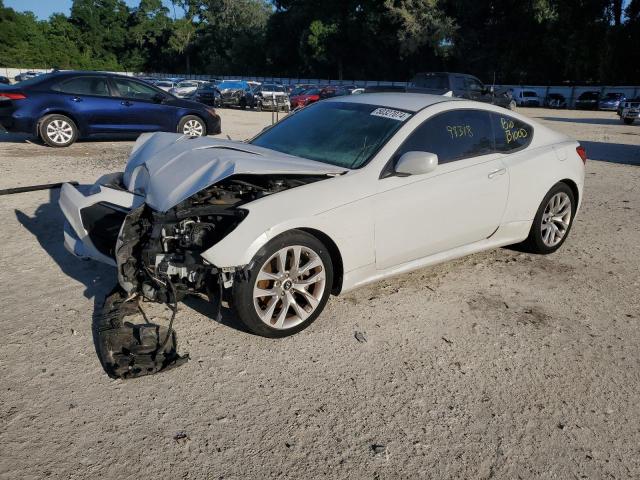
{"points": [[159, 259], [159, 254]]}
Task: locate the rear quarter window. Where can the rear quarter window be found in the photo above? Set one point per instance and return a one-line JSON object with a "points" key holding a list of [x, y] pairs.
{"points": [[510, 134]]}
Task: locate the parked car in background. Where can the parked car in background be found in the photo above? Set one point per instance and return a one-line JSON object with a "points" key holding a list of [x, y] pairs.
{"points": [[206, 93], [630, 110], [298, 89], [555, 100], [588, 100], [305, 97], [186, 87], [236, 93], [459, 85], [5, 80], [62, 107], [271, 96], [333, 91], [611, 101], [21, 77], [525, 97], [165, 85], [151, 80]]}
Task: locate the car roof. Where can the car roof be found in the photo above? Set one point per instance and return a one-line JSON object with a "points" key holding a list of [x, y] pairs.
{"points": [[411, 102]]}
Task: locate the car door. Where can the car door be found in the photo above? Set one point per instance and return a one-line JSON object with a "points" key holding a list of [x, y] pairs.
{"points": [[142, 108], [88, 99], [461, 202]]}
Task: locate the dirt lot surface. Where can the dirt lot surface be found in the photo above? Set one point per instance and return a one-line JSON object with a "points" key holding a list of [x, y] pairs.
{"points": [[498, 365]]}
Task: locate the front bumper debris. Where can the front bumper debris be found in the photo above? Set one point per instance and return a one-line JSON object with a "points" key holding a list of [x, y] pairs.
{"points": [[128, 350]]}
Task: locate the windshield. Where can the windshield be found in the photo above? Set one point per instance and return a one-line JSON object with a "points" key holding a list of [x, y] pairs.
{"points": [[529, 94], [613, 96], [339, 133], [187, 84], [235, 85], [164, 84]]}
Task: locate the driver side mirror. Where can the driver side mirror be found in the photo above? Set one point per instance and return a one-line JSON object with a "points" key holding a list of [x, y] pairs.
{"points": [[158, 98], [416, 163]]}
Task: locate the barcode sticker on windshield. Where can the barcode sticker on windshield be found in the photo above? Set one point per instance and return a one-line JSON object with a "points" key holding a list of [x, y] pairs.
{"points": [[390, 113]]}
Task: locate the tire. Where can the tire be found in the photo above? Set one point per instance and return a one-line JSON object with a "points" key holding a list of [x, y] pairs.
{"points": [[259, 107], [628, 121], [193, 126], [57, 130], [270, 277], [243, 103], [558, 228]]}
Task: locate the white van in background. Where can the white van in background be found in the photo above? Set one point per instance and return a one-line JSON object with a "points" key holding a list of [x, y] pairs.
{"points": [[526, 98]]}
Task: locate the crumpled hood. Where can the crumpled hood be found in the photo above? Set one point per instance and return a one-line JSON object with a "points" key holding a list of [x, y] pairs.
{"points": [[168, 167]]}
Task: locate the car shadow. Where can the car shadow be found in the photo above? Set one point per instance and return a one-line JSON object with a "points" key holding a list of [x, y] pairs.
{"points": [[591, 121], [208, 309], [6, 137], [612, 152]]}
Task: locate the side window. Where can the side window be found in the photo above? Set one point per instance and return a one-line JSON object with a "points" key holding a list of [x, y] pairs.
{"points": [[510, 134], [452, 136], [129, 89], [458, 83], [474, 85], [84, 86]]}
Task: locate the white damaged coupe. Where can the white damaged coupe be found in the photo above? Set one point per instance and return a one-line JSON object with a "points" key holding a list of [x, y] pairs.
{"points": [[342, 193]]}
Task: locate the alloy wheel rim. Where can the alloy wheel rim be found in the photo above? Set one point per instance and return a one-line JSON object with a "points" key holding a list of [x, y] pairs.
{"points": [[193, 128], [59, 131], [289, 287], [556, 219]]}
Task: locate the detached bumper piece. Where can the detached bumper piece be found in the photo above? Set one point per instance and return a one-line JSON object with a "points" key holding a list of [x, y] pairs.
{"points": [[128, 350]]}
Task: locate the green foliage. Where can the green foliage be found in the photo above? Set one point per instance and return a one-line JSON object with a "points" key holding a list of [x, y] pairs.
{"points": [[529, 41]]}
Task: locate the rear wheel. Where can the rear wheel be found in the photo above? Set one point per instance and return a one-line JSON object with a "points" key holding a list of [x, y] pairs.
{"points": [[192, 126], [287, 285], [553, 220], [58, 130]]}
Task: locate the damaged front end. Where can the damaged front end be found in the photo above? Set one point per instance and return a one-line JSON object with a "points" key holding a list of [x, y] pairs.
{"points": [[159, 259]]}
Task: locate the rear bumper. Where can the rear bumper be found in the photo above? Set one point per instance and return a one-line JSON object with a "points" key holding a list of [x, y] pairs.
{"points": [[77, 235]]}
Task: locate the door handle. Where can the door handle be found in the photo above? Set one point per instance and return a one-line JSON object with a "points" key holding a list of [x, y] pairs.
{"points": [[76, 99], [126, 103], [497, 172]]}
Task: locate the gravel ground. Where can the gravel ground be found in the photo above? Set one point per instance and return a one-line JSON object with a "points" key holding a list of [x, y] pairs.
{"points": [[498, 365]]}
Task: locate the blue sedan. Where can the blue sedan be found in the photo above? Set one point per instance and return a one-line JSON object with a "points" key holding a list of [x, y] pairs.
{"points": [[64, 106]]}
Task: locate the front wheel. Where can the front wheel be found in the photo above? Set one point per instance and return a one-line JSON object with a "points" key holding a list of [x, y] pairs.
{"points": [[553, 220], [192, 126], [512, 105], [286, 287], [58, 130], [628, 121]]}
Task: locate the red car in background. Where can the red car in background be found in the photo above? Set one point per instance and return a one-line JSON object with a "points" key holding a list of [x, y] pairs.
{"points": [[305, 98]]}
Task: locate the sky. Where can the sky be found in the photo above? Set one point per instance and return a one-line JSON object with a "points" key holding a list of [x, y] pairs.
{"points": [[44, 8]]}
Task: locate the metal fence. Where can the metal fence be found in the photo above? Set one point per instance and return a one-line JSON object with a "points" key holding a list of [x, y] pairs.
{"points": [[570, 93]]}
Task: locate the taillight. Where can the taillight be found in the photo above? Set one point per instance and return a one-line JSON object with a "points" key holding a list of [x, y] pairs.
{"points": [[12, 96], [582, 152]]}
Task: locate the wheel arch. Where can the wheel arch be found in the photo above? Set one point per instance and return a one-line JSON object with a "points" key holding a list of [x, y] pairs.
{"points": [[58, 111], [334, 253], [574, 189]]}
